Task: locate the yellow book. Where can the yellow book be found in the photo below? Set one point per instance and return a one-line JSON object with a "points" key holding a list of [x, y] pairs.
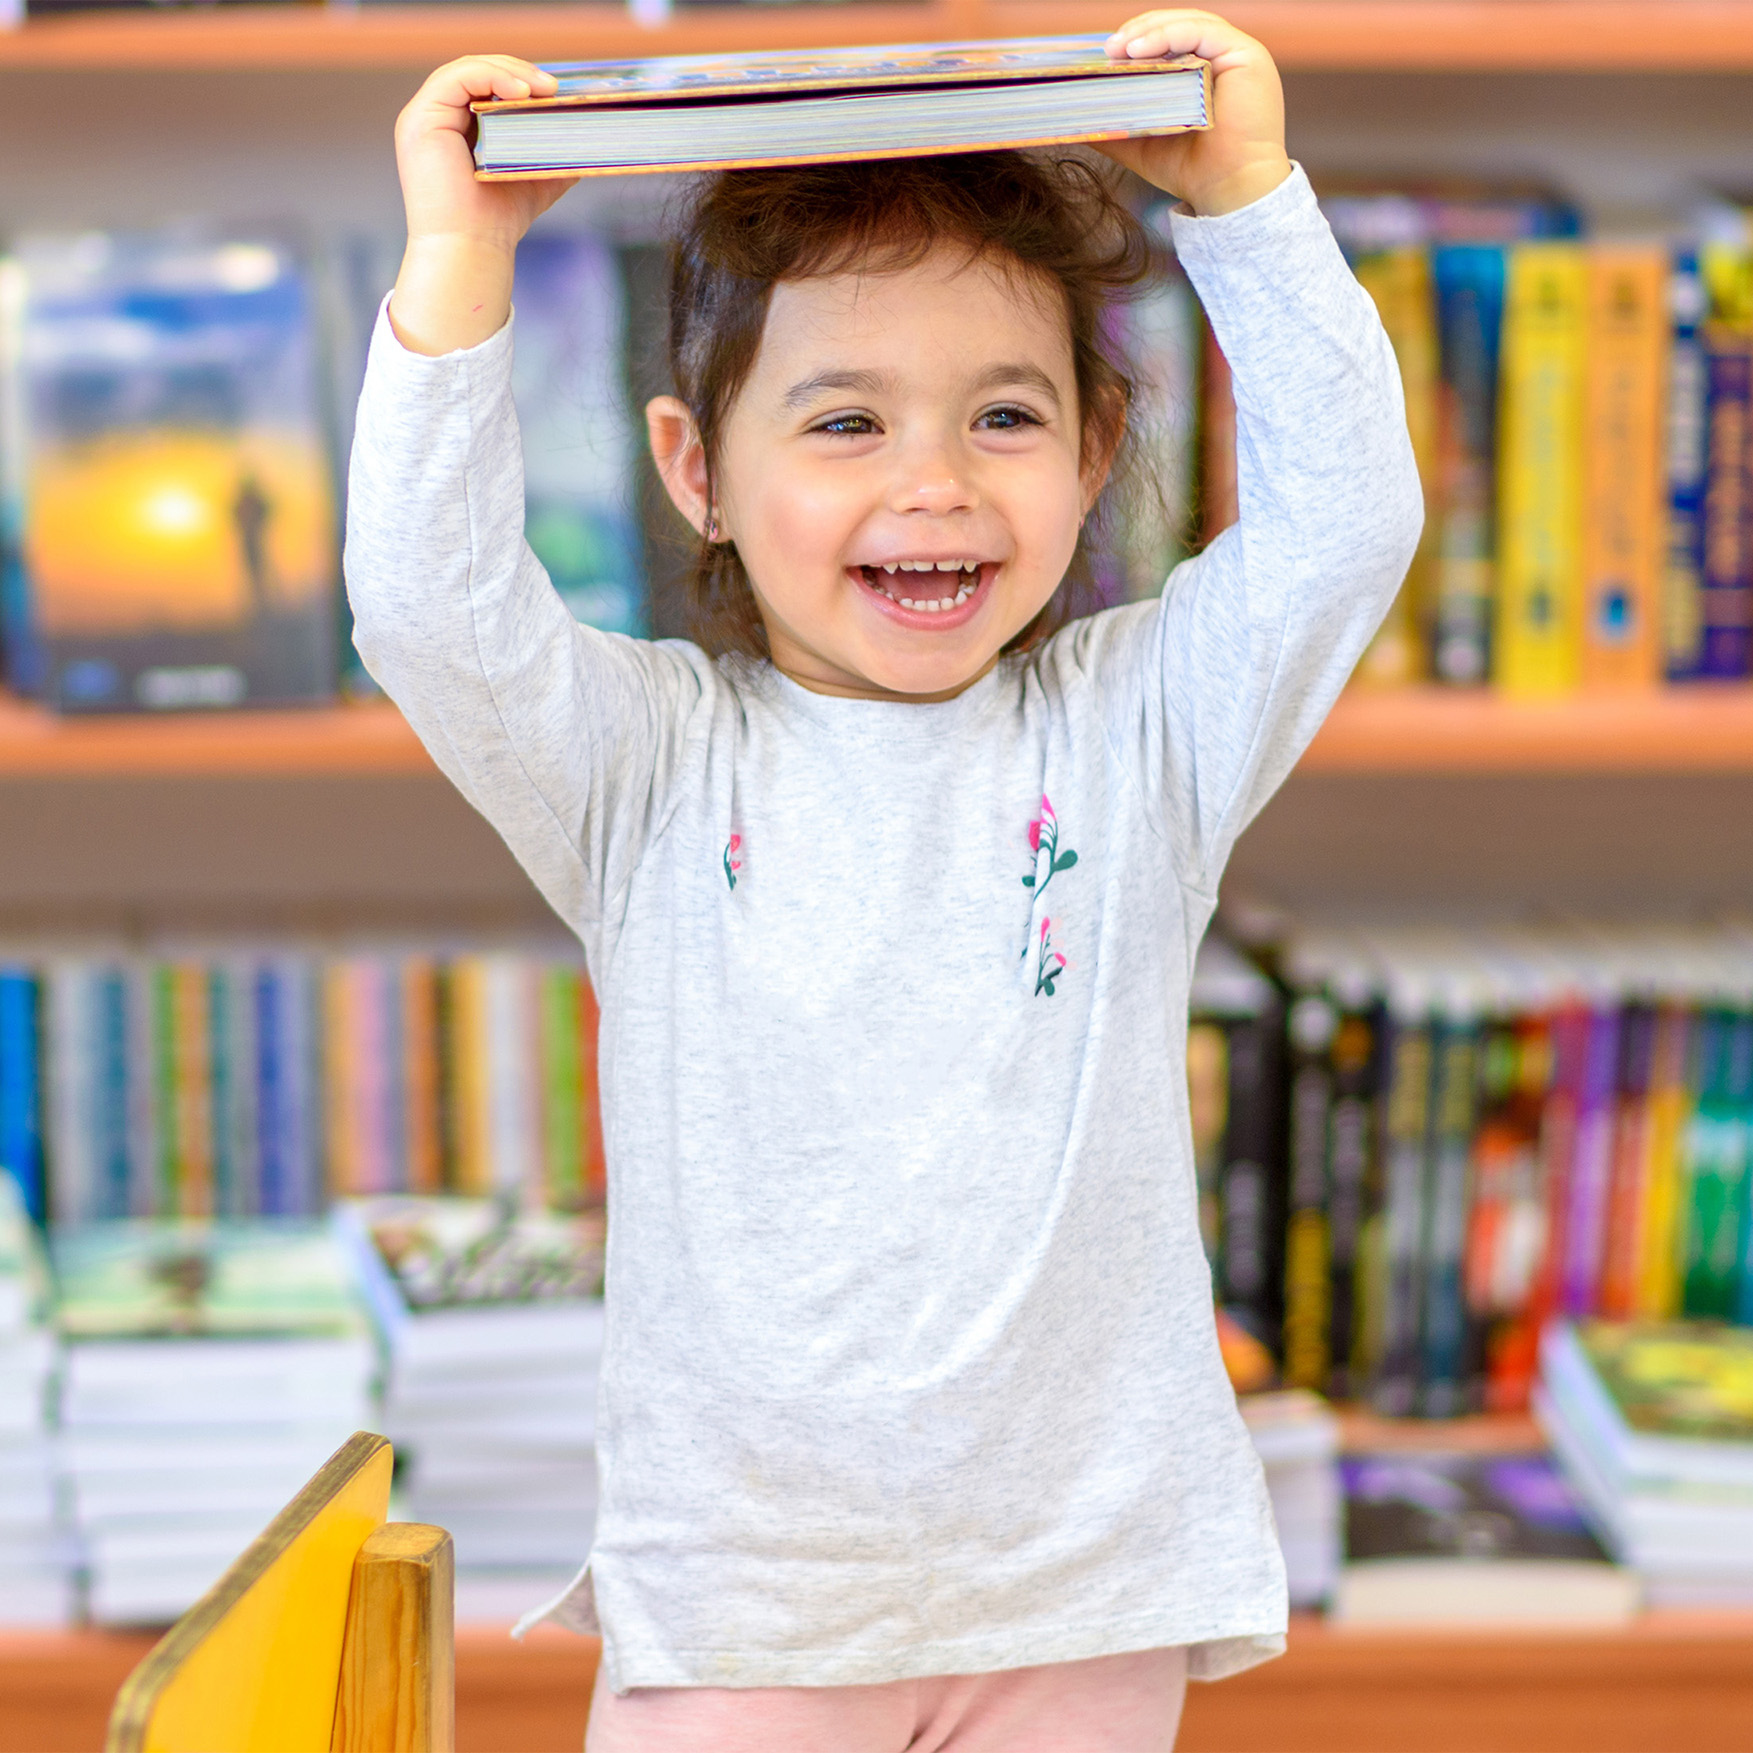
{"points": [[418, 982], [1537, 638], [1670, 1114], [1399, 280], [470, 1073], [1625, 491]]}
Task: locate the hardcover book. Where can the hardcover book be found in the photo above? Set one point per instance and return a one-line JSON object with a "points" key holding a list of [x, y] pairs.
{"points": [[716, 112], [178, 520]]}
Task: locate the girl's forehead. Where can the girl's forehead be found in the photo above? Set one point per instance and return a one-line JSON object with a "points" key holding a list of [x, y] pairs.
{"points": [[947, 303]]}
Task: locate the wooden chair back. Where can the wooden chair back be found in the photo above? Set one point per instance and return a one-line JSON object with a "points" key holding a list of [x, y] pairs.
{"points": [[332, 1633]]}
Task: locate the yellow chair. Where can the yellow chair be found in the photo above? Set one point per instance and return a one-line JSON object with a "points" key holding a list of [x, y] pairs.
{"points": [[333, 1633]]}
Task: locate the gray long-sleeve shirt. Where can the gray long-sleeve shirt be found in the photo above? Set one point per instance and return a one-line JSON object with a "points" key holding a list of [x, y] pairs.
{"points": [[910, 1364]]}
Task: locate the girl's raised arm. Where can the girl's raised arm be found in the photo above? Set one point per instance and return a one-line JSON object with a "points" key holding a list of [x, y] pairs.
{"points": [[1218, 690], [561, 736]]}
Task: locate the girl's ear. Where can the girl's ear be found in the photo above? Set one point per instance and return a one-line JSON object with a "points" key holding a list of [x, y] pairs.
{"points": [[1101, 445], [680, 459]]}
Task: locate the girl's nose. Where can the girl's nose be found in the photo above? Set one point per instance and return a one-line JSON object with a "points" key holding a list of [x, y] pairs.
{"points": [[930, 481]]}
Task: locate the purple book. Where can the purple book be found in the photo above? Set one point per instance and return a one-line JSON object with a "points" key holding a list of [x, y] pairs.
{"points": [[1591, 1165]]}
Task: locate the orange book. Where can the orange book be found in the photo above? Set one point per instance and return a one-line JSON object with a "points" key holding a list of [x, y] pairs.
{"points": [[1623, 463], [193, 1089], [420, 1092], [1219, 501], [339, 1080]]}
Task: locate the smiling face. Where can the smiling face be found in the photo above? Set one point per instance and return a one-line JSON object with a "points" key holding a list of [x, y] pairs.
{"points": [[901, 472]]}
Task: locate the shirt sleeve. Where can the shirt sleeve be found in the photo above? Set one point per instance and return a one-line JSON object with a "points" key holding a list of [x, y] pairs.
{"points": [[563, 737], [1211, 693]]}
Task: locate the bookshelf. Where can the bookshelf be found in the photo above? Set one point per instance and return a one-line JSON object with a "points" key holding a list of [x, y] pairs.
{"points": [[1380, 35]]}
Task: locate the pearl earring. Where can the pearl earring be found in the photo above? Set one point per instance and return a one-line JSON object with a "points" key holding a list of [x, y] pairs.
{"points": [[712, 527]]}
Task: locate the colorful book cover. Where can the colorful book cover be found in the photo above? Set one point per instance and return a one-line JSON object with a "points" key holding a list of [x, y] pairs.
{"points": [[1570, 1033], [1442, 1371], [179, 532], [469, 1055], [1717, 1166], [1627, 1211], [1470, 302], [579, 438], [1591, 1164], [564, 1143], [1693, 1381], [1399, 280], [1726, 639], [1408, 1121], [1537, 646], [170, 1279], [1308, 1338], [1623, 496], [21, 1144], [1670, 1113], [1686, 435]]}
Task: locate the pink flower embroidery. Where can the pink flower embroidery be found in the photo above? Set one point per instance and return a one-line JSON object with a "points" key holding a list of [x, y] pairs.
{"points": [[1049, 963], [732, 864], [1044, 834]]}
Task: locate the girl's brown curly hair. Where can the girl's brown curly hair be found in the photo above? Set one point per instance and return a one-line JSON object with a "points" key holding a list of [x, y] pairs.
{"points": [[1057, 220]]}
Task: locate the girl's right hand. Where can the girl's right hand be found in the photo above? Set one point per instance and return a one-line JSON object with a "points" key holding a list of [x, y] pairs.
{"points": [[454, 289]]}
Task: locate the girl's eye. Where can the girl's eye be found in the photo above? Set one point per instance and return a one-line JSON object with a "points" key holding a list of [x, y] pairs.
{"points": [[1006, 420], [847, 425]]}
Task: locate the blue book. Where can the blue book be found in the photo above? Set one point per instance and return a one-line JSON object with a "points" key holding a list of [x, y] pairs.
{"points": [[1726, 597], [1688, 379], [21, 1139]]}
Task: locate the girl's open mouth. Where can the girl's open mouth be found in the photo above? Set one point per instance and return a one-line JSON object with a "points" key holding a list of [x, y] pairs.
{"points": [[928, 593]]}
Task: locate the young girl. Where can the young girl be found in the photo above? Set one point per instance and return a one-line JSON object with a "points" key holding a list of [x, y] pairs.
{"points": [[913, 1431]]}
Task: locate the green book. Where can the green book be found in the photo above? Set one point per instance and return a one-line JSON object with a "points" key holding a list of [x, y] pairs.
{"points": [[264, 1278], [1717, 1166]]}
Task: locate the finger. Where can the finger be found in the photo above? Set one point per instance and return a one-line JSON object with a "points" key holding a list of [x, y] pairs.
{"points": [[1154, 35], [478, 77]]}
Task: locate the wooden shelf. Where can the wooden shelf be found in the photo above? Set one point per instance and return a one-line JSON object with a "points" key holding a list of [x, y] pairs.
{"points": [[1424, 730], [1700, 729], [1671, 1683], [1387, 35]]}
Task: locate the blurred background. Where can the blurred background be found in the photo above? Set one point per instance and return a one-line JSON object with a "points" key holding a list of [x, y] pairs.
{"points": [[297, 1072]]}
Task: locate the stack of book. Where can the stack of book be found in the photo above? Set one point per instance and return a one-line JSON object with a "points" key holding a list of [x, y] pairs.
{"points": [[36, 1577], [211, 1369], [256, 1079], [491, 1321], [1654, 1426], [1297, 1439], [1465, 1134]]}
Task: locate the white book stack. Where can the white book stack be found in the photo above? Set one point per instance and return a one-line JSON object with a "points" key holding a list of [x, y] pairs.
{"points": [[36, 1575], [210, 1370], [1297, 1439], [1653, 1426], [492, 1326]]}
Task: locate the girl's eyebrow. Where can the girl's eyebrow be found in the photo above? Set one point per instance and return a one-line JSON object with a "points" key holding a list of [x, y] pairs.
{"points": [[871, 383]]}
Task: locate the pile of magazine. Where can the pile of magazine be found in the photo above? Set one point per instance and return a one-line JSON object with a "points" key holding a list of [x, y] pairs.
{"points": [[492, 1323], [210, 1370], [1297, 1438], [1653, 1424], [35, 1576]]}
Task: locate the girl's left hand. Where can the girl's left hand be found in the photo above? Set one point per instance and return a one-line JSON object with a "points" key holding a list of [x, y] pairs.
{"points": [[1241, 157]]}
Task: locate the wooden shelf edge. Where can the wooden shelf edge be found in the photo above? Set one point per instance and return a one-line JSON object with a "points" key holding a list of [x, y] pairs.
{"points": [[1378, 35], [340, 740], [1703, 729]]}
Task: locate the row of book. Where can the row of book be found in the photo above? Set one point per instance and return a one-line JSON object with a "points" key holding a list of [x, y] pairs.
{"points": [[1417, 1148], [174, 421], [1582, 414], [262, 1080]]}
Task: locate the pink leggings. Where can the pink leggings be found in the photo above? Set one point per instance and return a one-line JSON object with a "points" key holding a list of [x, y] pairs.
{"points": [[1114, 1704]]}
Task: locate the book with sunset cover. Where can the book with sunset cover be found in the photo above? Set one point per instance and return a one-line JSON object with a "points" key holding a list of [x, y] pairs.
{"points": [[801, 106], [178, 520]]}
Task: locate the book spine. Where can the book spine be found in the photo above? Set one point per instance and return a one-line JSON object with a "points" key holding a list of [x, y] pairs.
{"points": [[1395, 1388], [21, 654], [142, 1061], [1716, 1169], [1622, 459], [1686, 433], [339, 1079], [1219, 503], [301, 1039], [1591, 1167], [1351, 1154], [563, 1131], [192, 1089], [1727, 635], [21, 1152], [590, 1094], [167, 1197], [1448, 1186], [276, 1197], [1399, 280], [1470, 295], [471, 1038], [70, 1132], [229, 1194], [1208, 1104], [1629, 1164], [1538, 631], [1671, 1099], [1558, 1136], [112, 1149], [420, 1075], [1308, 1351], [1252, 1193]]}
